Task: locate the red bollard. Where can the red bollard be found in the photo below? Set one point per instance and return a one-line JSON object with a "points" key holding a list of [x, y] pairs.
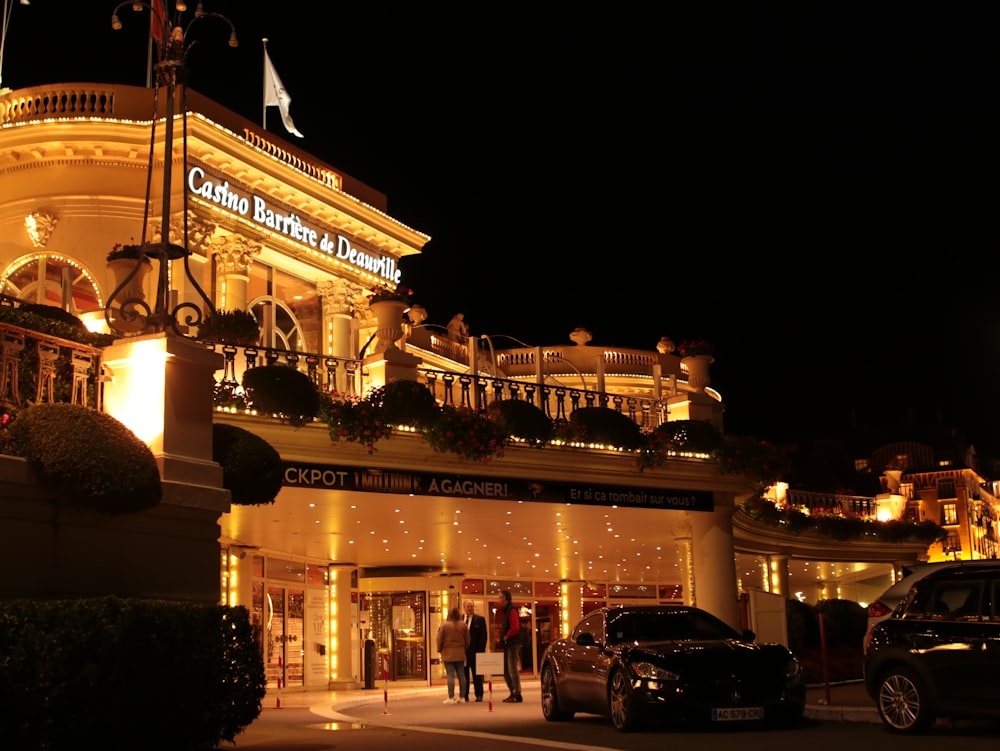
{"points": [[385, 690]]}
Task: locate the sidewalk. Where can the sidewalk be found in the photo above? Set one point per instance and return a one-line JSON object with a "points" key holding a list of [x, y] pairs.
{"points": [[843, 702]]}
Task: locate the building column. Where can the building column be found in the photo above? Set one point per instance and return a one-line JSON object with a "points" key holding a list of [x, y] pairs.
{"points": [[339, 329], [713, 558], [233, 257], [343, 672], [570, 605], [777, 575]]}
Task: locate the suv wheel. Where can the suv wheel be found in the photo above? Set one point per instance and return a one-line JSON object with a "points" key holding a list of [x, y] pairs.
{"points": [[902, 702]]}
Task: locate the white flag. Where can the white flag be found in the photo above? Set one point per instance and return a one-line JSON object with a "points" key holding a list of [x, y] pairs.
{"points": [[275, 94]]}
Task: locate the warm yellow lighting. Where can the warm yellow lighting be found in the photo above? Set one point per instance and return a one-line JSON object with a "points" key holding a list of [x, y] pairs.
{"points": [[136, 395]]}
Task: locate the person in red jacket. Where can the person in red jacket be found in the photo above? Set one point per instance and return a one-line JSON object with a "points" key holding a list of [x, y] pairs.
{"points": [[508, 623]]}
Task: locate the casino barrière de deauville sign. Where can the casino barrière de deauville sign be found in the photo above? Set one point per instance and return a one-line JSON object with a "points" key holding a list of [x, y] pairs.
{"points": [[258, 210], [326, 477]]}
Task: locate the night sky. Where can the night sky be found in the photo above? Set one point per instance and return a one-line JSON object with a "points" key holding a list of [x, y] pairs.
{"points": [[812, 191]]}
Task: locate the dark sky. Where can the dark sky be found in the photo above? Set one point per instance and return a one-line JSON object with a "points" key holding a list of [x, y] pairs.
{"points": [[814, 192]]}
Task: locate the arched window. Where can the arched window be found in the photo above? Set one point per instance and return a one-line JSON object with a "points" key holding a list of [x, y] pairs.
{"points": [[53, 279]]}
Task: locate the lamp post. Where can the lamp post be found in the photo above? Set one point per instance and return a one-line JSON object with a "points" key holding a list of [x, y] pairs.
{"points": [[173, 42]]}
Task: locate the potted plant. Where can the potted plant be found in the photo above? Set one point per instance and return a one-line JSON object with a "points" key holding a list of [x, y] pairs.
{"points": [[394, 294], [388, 307], [231, 326], [130, 252], [696, 348]]}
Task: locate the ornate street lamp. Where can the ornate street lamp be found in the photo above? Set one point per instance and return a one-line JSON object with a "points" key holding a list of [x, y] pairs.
{"points": [[173, 43]]}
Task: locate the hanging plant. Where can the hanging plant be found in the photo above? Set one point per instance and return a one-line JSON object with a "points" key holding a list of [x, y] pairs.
{"points": [[467, 433], [355, 420]]}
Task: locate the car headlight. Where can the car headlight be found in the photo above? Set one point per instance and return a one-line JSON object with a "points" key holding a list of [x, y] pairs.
{"points": [[653, 672], [793, 668]]}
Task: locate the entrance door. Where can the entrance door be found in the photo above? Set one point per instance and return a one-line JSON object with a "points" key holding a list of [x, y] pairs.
{"points": [[397, 623], [283, 637]]}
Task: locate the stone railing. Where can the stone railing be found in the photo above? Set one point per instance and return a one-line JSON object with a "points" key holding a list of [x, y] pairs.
{"points": [[557, 402], [36, 368], [863, 507], [347, 377], [65, 100]]}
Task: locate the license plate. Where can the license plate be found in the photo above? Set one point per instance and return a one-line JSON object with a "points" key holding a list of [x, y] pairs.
{"points": [[724, 714]]}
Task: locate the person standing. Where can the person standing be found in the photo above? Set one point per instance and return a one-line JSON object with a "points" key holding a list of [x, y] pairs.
{"points": [[477, 643], [509, 639], [452, 643]]}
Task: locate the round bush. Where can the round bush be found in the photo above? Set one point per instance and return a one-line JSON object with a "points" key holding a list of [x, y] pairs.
{"points": [[605, 425], [405, 403], [86, 458], [283, 391], [251, 467], [522, 419]]}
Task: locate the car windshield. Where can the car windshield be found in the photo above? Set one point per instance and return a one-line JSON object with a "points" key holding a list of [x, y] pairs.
{"points": [[654, 626]]}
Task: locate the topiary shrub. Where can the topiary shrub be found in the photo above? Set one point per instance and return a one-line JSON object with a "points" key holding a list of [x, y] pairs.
{"points": [[251, 467], [282, 391], [405, 403], [522, 419], [86, 458], [604, 425], [231, 326], [844, 622], [54, 314]]}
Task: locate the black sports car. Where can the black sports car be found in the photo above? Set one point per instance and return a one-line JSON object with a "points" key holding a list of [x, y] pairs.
{"points": [[660, 663]]}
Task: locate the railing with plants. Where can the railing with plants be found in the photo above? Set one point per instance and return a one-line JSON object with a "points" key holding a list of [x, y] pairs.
{"points": [[861, 507], [556, 402]]}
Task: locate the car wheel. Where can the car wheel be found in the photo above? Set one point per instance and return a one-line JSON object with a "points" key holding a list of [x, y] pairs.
{"points": [[550, 698], [619, 696], [902, 702]]}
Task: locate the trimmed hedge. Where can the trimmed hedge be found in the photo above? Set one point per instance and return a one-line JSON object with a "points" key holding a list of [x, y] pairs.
{"points": [[251, 467], [86, 458], [119, 674], [283, 391]]}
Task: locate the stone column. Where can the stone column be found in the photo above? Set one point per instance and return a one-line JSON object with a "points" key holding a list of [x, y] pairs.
{"points": [[714, 561], [339, 330], [570, 606], [342, 669], [233, 257], [777, 575]]}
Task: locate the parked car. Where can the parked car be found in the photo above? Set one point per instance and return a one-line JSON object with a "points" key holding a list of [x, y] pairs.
{"points": [[882, 608], [664, 663], [938, 653]]}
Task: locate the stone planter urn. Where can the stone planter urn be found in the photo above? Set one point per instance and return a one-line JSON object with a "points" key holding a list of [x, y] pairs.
{"points": [[893, 479], [120, 268], [697, 369], [389, 315]]}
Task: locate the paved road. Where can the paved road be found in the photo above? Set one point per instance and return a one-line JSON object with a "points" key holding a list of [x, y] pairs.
{"points": [[384, 719]]}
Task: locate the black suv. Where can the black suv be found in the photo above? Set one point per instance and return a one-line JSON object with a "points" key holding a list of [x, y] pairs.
{"points": [[938, 654]]}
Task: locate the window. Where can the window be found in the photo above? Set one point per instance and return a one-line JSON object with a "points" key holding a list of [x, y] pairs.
{"points": [[52, 279], [949, 513]]}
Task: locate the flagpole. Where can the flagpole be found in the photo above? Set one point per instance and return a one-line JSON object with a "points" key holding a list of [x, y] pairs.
{"points": [[263, 103]]}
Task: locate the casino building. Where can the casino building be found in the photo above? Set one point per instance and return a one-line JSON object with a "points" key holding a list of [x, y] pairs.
{"points": [[352, 567]]}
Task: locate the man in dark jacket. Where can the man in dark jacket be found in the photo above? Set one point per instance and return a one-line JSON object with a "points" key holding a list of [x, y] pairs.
{"points": [[509, 640], [478, 632]]}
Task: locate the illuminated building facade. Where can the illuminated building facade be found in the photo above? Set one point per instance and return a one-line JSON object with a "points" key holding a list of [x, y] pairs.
{"points": [[362, 553]]}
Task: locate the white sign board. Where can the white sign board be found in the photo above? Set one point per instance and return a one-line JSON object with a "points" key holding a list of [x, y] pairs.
{"points": [[489, 663]]}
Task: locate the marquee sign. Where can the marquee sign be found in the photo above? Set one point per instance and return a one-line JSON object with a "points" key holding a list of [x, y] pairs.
{"points": [[371, 480], [260, 211]]}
